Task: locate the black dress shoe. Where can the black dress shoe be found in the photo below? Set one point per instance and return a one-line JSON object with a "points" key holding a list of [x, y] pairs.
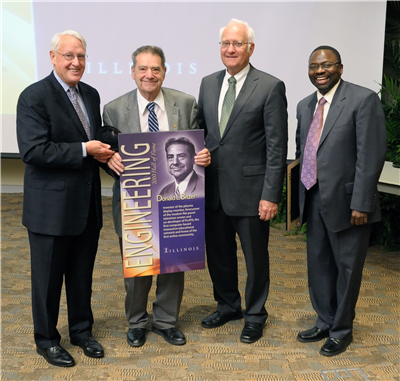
{"points": [[91, 347], [333, 347], [172, 335], [217, 319], [136, 337], [251, 332], [56, 356], [312, 335]]}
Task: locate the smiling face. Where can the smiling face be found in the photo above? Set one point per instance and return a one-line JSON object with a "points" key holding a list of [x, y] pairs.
{"points": [[236, 59], [148, 74], [69, 71], [324, 79], [180, 161]]}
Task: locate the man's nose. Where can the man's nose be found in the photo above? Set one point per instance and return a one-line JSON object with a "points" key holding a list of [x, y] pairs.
{"points": [[231, 48], [75, 60]]}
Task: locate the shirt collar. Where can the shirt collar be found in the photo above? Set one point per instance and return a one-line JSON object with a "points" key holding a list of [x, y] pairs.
{"points": [[184, 183], [330, 94], [63, 84], [143, 102], [239, 76]]}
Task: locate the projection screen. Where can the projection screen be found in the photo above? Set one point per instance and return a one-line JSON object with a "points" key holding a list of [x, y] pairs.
{"points": [[188, 32]]}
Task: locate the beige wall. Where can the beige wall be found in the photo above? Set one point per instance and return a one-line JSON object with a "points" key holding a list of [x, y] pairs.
{"points": [[12, 177]]}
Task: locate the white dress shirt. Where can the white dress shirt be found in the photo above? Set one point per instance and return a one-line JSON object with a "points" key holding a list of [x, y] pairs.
{"points": [[240, 78], [159, 109]]}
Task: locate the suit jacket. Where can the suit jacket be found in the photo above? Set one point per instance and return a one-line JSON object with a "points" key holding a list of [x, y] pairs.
{"points": [[195, 187], [350, 156], [248, 162], [58, 181], [123, 113]]}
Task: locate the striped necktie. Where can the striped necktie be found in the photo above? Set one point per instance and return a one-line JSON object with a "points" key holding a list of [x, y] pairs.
{"points": [[153, 121]]}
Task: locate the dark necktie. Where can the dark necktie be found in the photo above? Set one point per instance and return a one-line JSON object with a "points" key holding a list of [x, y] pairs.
{"points": [[309, 168], [227, 105], [79, 111], [153, 121]]}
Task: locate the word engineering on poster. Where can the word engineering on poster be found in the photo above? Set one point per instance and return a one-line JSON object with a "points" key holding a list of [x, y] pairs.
{"points": [[162, 202]]}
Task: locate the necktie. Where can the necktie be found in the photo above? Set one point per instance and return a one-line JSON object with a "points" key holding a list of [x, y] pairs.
{"points": [[177, 194], [227, 106], [309, 169], [153, 121], [79, 111]]}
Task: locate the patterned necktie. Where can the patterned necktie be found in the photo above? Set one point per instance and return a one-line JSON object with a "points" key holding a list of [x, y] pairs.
{"points": [[227, 106], [309, 169], [79, 111], [153, 121], [177, 194]]}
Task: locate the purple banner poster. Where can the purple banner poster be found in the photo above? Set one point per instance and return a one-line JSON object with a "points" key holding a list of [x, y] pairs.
{"points": [[162, 202]]}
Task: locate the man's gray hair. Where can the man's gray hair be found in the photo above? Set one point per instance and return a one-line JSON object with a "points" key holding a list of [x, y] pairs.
{"points": [[149, 49], [250, 31], [55, 41]]}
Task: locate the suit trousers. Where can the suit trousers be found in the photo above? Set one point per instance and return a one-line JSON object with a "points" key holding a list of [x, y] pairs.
{"points": [[222, 262], [52, 259], [166, 307], [335, 263]]}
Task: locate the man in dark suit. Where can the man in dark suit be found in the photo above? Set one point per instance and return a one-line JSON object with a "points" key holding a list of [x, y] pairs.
{"points": [[62, 196], [248, 148], [180, 159], [133, 113], [340, 169]]}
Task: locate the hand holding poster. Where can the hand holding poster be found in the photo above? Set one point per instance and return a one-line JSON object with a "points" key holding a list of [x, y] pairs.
{"points": [[162, 203]]}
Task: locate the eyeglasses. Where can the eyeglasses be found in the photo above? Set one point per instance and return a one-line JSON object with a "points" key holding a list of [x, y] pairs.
{"points": [[325, 66], [71, 57], [236, 44]]}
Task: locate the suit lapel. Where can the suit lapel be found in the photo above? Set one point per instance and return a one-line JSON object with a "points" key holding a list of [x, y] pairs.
{"points": [[132, 113], [214, 94], [61, 98], [308, 117], [89, 108], [192, 183], [335, 109], [171, 110], [248, 87]]}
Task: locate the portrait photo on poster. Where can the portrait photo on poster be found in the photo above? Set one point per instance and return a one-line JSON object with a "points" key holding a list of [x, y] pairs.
{"points": [[162, 202]]}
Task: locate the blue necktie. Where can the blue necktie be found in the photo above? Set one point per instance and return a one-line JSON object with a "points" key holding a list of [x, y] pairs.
{"points": [[153, 121]]}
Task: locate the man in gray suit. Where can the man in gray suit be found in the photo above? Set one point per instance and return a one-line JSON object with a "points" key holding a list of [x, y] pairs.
{"points": [[247, 137], [136, 112], [338, 192], [180, 160]]}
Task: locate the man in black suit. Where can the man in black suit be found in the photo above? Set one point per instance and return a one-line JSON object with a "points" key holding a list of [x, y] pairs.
{"points": [[247, 138], [338, 192], [180, 159], [57, 118]]}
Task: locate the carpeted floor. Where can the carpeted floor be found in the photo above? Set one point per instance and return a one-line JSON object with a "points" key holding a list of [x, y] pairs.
{"points": [[215, 354]]}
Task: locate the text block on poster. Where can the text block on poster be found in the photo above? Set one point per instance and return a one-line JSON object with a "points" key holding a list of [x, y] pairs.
{"points": [[162, 229]]}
